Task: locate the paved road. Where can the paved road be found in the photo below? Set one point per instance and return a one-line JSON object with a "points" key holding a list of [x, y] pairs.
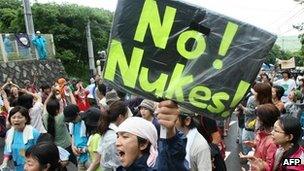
{"points": [[232, 148]]}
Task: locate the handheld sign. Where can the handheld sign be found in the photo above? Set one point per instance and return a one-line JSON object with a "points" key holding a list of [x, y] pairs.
{"points": [[169, 49]]}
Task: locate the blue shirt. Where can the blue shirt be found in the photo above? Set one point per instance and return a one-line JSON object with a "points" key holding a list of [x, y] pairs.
{"points": [[19, 148], [80, 141]]}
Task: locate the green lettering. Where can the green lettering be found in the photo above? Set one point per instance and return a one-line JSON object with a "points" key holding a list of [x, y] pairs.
{"points": [[158, 85], [199, 46], [117, 58], [194, 96], [150, 17], [217, 100], [177, 82], [240, 93], [228, 36], [225, 114]]}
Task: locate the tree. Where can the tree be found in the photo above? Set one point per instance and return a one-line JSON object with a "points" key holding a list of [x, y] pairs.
{"points": [[67, 24], [277, 52], [9, 15], [300, 27]]}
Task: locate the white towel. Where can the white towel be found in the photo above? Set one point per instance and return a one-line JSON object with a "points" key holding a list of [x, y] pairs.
{"points": [[144, 129], [63, 154], [27, 135], [190, 139]]}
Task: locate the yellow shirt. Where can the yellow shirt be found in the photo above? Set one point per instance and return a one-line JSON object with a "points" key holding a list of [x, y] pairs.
{"points": [[93, 144]]}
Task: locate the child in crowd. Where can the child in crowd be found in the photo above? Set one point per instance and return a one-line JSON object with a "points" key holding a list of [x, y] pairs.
{"points": [[77, 129], [91, 119]]}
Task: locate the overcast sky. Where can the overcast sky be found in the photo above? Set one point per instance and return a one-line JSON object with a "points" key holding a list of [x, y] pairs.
{"points": [[276, 16]]}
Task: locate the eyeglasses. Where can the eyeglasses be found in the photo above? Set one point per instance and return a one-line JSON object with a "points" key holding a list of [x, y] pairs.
{"points": [[282, 132]]}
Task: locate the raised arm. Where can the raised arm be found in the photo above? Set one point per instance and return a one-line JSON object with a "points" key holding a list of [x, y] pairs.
{"points": [[6, 103]]}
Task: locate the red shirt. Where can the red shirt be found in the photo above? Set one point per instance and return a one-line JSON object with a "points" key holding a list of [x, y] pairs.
{"points": [[298, 154], [82, 101], [265, 149]]}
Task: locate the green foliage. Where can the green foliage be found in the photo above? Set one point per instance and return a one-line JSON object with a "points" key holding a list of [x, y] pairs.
{"points": [[12, 4], [72, 65], [67, 23], [277, 52], [301, 36], [299, 58]]}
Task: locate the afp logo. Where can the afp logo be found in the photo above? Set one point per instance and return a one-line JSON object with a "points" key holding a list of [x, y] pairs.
{"points": [[291, 162]]}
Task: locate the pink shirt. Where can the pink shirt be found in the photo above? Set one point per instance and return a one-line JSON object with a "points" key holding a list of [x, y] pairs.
{"points": [[298, 154], [265, 149]]}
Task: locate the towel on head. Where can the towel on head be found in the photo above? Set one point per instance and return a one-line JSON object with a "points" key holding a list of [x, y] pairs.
{"points": [[144, 129]]}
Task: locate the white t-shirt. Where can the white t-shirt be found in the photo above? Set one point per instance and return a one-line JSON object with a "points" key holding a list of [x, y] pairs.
{"points": [[198, 152], [36, 117], [91, 88], [288, 85]]}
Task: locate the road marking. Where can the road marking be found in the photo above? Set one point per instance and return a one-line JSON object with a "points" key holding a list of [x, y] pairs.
{"points": [[232, 122], [227, 153]]}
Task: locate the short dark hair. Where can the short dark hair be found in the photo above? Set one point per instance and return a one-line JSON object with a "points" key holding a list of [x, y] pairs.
{"points": [[115, 109], [264, 74], [45, 138], [45, 86], [102, 89], [291, 125], [279, 91], [121, 94], [26, 100], [45, 153], [268, 114], [287, 72], [70, 112], [143, 141], [24, 112], [183, 118]]}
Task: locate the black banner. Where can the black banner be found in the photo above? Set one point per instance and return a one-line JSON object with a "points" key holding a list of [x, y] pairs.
{"points": [[173, 50]]}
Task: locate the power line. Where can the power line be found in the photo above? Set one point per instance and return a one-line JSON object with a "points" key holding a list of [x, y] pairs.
{"points": [[277, 20], [297, 13]]}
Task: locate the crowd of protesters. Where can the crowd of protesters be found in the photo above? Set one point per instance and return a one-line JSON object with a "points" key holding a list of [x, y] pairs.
{"points": [[270, 122], [100, 128]]}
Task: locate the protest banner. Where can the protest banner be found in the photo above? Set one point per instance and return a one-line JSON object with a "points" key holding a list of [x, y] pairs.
{"points": [[173, 50], [287, 64]]}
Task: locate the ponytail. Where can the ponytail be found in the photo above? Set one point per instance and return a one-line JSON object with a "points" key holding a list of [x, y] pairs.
{"points": [[52, 108]]}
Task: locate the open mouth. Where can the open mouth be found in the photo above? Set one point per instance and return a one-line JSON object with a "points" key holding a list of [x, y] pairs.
{"points": [[121, 154]]}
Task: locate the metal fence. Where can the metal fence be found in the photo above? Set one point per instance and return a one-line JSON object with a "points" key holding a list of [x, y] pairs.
{"points": [[21, 47]]}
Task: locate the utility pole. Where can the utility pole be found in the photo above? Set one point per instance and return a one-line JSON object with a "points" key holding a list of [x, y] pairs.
{"points": [[90, 50], [28, 18]]}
